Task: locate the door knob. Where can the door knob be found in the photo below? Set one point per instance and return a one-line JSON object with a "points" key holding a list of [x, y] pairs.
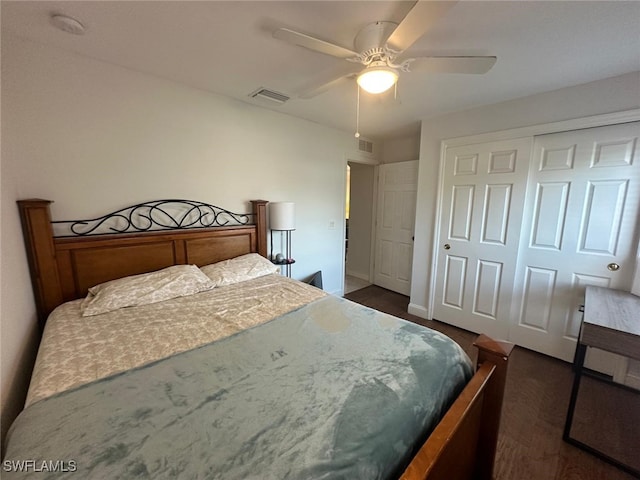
{"points": [[614, 267], [447, 246]]}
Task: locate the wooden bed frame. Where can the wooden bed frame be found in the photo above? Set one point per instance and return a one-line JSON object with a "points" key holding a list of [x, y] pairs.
{"points": [[463, 444]]}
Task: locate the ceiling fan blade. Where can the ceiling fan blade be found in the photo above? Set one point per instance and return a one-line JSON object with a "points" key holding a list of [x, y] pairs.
{"points": [[420, 18], [312, 43], [476, 65], [329, 79]]}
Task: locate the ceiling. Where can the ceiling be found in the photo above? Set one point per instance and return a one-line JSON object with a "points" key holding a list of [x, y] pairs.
{"points": [[228, 48]]}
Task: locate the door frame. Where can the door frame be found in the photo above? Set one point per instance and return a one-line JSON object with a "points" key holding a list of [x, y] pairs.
{"points": [[375, 170], [375, 164], [625, 116]]}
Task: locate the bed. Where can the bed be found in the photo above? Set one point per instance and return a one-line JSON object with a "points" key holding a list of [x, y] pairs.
{"points": [[269, 378]]}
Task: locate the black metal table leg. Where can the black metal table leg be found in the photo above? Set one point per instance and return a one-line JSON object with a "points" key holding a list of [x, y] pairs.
{"points": [[578, 366]]}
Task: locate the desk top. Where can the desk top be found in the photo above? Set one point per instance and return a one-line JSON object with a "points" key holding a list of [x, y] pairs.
{"points": [[612, 321]]}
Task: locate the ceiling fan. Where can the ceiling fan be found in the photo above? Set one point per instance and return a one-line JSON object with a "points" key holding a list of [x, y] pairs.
{"points": [[380, 47]]}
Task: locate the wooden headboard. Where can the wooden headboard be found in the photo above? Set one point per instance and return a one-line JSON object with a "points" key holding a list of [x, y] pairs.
{"points": [[63, 268]]}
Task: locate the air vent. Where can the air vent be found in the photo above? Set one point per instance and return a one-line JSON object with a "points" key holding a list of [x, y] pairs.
{"points": [[365, 146], [265, 94]]}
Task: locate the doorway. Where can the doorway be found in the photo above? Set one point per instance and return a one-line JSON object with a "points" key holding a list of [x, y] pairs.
{"points": [[359, 214]]}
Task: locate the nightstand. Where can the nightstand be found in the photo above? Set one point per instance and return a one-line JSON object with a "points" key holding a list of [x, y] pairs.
{"points": [[287, 264]]}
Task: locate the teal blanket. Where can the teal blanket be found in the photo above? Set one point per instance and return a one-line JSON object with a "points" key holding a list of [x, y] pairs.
{"points": [[332, 390]]}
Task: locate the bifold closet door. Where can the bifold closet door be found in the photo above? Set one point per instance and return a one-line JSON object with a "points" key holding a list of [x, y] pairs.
{"points": [[580, 228], [482, 198]]}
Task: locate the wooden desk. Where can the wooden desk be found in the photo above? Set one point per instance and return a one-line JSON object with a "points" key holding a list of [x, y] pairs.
{"points": [[611, 322]]}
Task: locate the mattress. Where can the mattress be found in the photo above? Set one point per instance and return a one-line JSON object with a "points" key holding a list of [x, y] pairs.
{"points": [[329, 389]]}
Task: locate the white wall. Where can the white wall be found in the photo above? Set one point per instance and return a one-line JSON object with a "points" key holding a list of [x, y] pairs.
{"points": [[401, 149], [603, 96], [94, 137]]}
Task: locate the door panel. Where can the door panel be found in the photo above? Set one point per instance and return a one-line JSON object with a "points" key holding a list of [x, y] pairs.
{"points": [[536, 300], [482, 202], [584, 204], [385, 266], [454, 281], [602, 216], [461, 212], [549, 215], [497, 200], [485, 300], [397, 187]]}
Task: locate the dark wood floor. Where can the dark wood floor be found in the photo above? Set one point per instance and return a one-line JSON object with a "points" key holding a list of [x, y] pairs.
{"points": [[536, 400]]}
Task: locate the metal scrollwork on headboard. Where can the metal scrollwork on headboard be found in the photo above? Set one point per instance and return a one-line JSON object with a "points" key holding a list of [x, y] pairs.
{"points": [[156, 215]]}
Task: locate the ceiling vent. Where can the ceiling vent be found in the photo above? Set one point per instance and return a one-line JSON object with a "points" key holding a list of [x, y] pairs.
{"points": [[365, 146], [270, 95]]}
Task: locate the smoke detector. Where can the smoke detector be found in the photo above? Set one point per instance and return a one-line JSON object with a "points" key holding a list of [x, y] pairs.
{"points": [[67, 24]]}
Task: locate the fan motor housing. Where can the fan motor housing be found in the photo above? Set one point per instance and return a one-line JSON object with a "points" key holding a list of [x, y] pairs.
{"points": [[373, 36]]}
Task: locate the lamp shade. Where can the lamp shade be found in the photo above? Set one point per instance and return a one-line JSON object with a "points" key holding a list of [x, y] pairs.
{"points": [[282, 216], [377, 79]]}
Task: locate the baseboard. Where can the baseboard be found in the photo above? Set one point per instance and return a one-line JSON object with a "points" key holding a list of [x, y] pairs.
{"points": [[633, 381], [358, 275], [632, 377], [418, 311]]}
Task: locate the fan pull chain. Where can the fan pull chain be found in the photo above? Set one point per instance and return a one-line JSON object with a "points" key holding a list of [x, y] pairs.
{"points": [[358, 112]]}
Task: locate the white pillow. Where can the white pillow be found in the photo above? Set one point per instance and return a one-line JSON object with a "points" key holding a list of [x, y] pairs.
{"points": [[239, 269], [146, 288]]}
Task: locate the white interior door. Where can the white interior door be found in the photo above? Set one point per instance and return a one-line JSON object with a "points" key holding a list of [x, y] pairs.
{"points": [[395, 220], [583, 206], [481, 209]]}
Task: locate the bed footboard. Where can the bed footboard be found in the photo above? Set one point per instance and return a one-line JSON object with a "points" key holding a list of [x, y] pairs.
{"points": [[463, 445]]}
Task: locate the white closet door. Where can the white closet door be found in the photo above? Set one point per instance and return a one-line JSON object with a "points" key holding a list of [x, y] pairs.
{"points": [[582, 211], [482, 198], [395, 220]]}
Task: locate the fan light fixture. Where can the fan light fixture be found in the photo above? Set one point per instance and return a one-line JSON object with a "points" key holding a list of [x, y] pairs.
{"points": [[377, 79]]}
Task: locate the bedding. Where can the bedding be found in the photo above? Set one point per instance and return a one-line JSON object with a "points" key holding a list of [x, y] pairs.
{"points": [[76, 349], [328, 390], [239, 269], [171, 282]]}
